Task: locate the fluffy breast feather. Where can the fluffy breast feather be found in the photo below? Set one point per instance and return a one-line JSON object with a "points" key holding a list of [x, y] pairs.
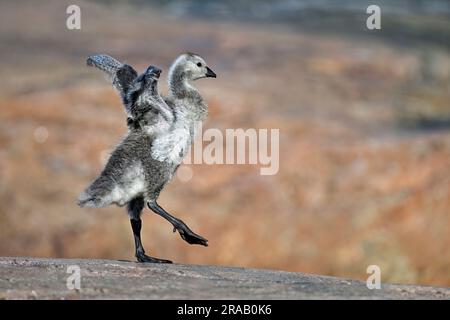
{"points": [[171, 146]]}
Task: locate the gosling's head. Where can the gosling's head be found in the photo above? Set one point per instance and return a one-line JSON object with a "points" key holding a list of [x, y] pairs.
{"points": [[190, 66]]}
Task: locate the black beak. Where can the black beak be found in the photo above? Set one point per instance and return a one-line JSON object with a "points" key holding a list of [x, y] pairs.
{"points": [[210, 73]]}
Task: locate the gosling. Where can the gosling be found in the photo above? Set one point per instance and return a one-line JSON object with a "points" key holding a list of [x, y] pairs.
{"points": [[145, 161]]}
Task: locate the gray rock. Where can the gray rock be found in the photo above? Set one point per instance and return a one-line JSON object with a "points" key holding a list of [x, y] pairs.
{"points": [[33, 278]]}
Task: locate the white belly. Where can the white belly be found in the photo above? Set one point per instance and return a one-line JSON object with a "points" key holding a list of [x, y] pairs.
{"points": [[172, 146]]}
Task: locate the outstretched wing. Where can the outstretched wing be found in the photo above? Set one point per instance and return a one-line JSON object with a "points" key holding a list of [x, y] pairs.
{"points": [[121, 75], [146, 108]]}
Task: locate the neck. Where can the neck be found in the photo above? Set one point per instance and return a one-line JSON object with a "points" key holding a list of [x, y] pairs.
{"points": [[179, 85], [181, 89]]}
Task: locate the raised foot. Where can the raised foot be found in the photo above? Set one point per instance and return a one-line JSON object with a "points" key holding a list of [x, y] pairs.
{"points": [[141, 257], [188, 235]]}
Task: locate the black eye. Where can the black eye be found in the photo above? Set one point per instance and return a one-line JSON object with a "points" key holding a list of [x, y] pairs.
{"points": [[199, 64]]}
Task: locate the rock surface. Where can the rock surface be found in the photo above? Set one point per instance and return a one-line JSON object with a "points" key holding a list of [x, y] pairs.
{"points": [[36, 278], [364, 148]]}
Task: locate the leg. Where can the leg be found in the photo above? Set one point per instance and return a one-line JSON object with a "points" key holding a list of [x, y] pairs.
{"points": [[134, 208], [187, 234]]}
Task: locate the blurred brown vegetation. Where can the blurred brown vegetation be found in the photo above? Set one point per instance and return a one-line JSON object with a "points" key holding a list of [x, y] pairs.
{"points": [[364, 144]]}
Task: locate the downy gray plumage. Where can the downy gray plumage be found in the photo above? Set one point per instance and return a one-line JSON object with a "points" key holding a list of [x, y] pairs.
{"points": [[160, 133]]}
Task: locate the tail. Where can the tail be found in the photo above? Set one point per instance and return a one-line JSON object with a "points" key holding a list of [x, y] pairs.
{"points": [[105, 63], [90, 199], [86, 200]]}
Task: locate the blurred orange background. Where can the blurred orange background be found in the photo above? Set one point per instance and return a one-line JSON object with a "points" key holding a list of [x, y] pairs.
{"points": [[364, 121]]}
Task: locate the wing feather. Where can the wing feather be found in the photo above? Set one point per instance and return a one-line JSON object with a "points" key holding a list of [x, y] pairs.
{"points": [[121, 75]]}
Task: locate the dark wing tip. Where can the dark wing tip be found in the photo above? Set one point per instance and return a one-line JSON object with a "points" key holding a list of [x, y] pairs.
{"points": [[90, 61]]}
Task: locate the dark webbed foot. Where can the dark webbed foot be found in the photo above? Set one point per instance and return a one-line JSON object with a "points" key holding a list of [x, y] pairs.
{"points": [[142, 257], [188, 235]]}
